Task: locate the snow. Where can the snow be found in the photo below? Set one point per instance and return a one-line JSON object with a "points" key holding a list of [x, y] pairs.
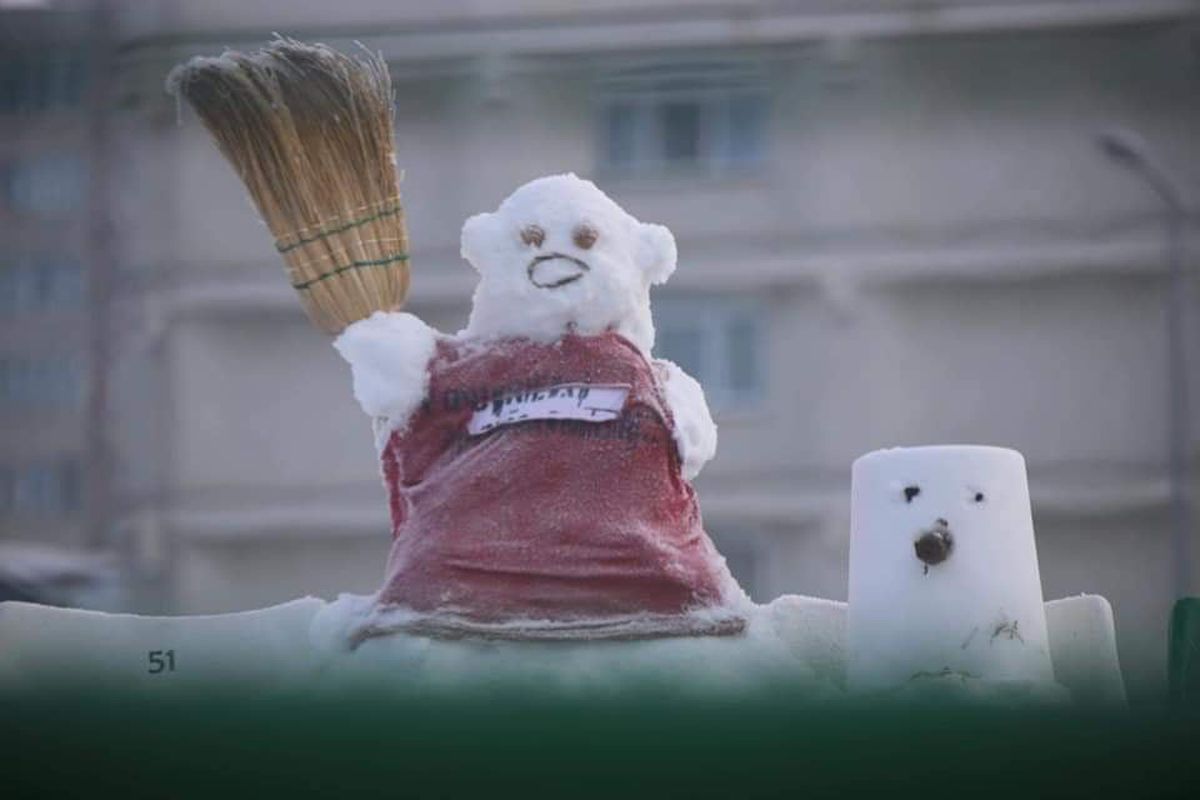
{"points": [[980, 611], [44, 645], [521, 290], [794, 642], [388, 353], [815, 630], [1083, 645], [695, 432]]}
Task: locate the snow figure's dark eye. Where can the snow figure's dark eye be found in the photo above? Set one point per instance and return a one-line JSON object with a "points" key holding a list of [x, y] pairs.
{"points": [[977, 497], [910, 492], [585, 236], [533, 235]]}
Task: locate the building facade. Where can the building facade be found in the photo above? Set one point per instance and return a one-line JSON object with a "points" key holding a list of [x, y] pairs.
{"points": [[894, 227], [55, 279]]}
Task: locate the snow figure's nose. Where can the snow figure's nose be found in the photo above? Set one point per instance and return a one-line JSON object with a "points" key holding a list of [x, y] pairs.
{"points": [[935, 544]]}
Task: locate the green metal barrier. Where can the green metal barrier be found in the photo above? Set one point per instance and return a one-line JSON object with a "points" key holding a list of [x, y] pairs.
{"points": [[621, 745], [1183, 666]]}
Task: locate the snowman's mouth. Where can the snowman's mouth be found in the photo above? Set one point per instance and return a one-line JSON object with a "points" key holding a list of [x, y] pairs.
{"points": [[555, 269]]}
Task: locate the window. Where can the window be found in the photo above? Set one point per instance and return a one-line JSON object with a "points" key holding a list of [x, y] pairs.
{"points": [[716, 340], [51, 488], [47, 184], [50, 283], [31, 82], [55, 382], [705, 117]]}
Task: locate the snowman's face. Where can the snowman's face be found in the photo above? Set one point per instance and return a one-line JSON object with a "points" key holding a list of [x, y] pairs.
{"points": [[939, 508], [559, 256]]}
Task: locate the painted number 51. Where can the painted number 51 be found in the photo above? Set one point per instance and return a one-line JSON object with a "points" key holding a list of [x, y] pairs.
{"points": [[161, 661]]}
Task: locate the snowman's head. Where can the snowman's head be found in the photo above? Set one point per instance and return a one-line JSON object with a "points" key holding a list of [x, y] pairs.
{"points": [[558, 256], [943, 565]]}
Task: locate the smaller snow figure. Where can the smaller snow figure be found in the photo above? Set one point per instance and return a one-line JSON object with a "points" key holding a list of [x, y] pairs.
{"points": [[538, 462], [943, 569]]}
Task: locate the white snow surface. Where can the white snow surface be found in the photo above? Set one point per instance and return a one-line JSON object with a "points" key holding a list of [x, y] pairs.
{"points": [[1083, 646], [389, 353], [544, 286], [695, 432]]}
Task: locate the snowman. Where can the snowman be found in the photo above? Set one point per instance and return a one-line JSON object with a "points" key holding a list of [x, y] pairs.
{"points": [[943, 570], [538, 463]]}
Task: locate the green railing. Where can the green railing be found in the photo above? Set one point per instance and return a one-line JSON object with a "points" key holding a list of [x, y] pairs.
{"points": [[628, 744], [1183, 665]]}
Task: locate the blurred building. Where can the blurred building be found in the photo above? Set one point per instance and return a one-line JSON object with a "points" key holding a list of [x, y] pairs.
{"points": [[53, 410], [894, 228]]}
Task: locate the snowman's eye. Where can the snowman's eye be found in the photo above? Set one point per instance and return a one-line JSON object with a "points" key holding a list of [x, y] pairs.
{"points": [[533, 235], [910, 493], [585, 236], [975, 496]]}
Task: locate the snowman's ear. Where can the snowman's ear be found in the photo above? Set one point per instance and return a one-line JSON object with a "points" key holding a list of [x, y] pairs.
{"points": [[656, 252], [480, 237]]}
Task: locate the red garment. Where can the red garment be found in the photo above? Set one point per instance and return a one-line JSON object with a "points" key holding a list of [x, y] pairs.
{"points": [[555, 520]]}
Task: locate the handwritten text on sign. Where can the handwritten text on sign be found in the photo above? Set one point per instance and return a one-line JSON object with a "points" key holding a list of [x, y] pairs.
{"points": [[581, 401]]}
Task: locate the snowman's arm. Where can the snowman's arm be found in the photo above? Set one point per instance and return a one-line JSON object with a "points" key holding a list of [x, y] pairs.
{"points": [[695, 431], [389, 355], [814, 629], [1083, 649]]}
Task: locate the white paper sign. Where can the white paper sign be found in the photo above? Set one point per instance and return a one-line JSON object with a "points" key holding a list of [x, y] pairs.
{"points": [[578, 401]]}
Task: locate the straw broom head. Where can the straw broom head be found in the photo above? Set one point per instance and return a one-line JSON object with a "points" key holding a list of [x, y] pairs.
{"points": [[309, 131]]}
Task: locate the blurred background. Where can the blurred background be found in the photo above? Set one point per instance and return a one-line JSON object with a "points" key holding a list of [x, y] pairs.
{"points": [[898, 223]]}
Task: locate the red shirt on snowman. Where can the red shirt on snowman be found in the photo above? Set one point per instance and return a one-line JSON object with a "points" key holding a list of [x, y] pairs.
{"points": [[540, 484]]}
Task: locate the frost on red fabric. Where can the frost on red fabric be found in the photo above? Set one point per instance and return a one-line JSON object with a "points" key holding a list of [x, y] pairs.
{"points": [[546, 519]]}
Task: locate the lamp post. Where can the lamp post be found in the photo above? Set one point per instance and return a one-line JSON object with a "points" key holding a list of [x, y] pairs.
{"points": [[1129, 150]]}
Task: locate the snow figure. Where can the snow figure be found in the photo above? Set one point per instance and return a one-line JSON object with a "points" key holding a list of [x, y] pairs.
{"points": [[943, 570], [538, 462]]}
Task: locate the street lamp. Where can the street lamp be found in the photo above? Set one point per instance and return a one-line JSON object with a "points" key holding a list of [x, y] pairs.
{"points": [[1130, 150]]}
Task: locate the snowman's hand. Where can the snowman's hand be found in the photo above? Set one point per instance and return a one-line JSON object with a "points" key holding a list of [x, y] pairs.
{"points": [[389, 354], [695, 432]]}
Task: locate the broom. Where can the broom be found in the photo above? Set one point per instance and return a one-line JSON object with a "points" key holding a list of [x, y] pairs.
{"points": [[309, 131]]}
